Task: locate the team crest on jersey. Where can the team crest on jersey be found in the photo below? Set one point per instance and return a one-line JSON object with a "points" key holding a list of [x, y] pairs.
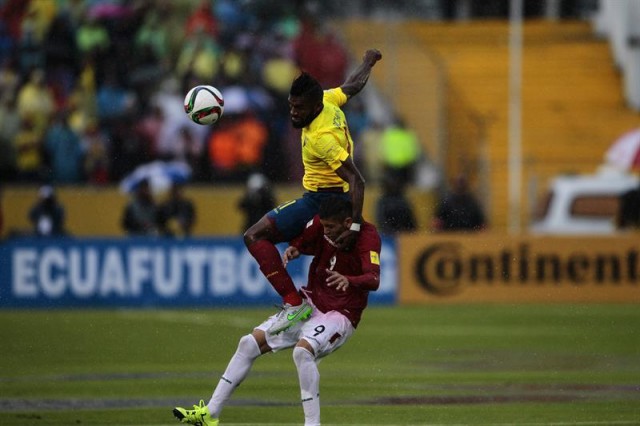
{"points": [[332, 263], [375, 257]]}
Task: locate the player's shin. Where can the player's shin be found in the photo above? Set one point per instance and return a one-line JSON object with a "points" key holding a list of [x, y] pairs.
{"points": [[268, 258], [237, 370], [309, 378]]}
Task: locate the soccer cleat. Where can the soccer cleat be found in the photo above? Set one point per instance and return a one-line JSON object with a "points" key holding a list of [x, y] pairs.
{"points": [[290, 315], [199, 416]]}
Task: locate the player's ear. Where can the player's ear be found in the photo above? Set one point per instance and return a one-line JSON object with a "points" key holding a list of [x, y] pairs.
{"points": [[347, 222]]}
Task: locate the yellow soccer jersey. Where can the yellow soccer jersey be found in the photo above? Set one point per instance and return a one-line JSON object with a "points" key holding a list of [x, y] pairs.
{"points": [[326, 142]]}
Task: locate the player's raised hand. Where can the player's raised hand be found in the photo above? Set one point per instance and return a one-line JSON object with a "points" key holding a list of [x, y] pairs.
{"points": [[289, 254], [371, 56], [337, 280]]}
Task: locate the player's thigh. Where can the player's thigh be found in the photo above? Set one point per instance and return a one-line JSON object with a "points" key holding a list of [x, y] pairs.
{"points": [[291, 217], [326, 332], [283, 340]]}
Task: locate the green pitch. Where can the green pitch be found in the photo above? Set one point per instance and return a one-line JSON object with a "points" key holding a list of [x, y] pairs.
{"points": [[429, 365]]}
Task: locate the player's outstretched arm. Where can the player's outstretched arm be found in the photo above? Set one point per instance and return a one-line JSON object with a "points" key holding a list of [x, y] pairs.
{"points": [[359, 77]]}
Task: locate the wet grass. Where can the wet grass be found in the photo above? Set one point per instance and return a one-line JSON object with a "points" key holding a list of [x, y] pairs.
{"points": [[463, 364]]}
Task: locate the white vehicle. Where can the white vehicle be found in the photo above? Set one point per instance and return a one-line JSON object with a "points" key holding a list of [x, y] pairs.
{"points": [[583, 204]]}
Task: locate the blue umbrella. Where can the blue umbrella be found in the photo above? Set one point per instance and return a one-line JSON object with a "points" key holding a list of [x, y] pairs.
{"points": [[160, 175]]}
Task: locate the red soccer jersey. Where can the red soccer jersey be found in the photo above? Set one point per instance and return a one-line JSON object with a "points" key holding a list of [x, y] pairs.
{"points": [[360, 264]]}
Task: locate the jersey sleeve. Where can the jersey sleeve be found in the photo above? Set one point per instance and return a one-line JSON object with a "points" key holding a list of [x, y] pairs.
{"points": [[328, 149], [336, 96], [369, 247]]}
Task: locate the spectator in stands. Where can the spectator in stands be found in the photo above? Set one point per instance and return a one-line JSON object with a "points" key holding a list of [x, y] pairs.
{"points": [[93, 41], [47, 216], [82, 102], [96, 161], [237, 145], [177, 214], [202, 20], [394, 212], [115, 101], [318, 51], [9, 128], [198, 58], [30, 51], [628, 216], [141, 213], [458, 210], [257, 200], [35, 101], [64, 151], [29, 152], [400, 151], [9, 76], [61, 56]]}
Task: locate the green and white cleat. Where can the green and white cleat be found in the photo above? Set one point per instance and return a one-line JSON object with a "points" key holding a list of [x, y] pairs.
{"points": [[199, 416], [289, 316]]}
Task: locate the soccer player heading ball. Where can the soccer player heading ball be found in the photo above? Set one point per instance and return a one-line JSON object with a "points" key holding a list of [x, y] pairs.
{"points": [[329, 170]]}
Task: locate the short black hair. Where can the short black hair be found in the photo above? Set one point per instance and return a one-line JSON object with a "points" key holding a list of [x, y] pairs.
{"points": [[308, 87], [335, 207]]}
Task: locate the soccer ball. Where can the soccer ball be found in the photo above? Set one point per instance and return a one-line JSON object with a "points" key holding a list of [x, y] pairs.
{"points": [[204, 104]]}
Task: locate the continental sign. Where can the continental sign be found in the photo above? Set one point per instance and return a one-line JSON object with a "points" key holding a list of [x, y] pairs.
{"points": [[495, 268]]}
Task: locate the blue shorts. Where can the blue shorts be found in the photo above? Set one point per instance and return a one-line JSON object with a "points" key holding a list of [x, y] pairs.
{"points": [[291, 217]]}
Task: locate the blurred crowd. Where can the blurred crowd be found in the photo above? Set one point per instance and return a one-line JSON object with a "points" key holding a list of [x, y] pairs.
{"points": [[91, 89]]}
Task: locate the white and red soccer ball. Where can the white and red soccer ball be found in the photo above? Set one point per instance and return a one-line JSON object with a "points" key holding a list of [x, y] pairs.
{"points": [[204, 104]]}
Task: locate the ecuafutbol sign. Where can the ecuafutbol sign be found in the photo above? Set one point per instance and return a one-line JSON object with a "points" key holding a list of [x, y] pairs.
{"points": [[147, 273]]}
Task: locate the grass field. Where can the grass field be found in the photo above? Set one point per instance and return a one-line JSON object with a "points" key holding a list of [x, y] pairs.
{"points": [[429, 365]]}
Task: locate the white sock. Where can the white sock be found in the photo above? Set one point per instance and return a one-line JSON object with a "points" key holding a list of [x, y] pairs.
{"points": [[237, 370], [309, 377]]}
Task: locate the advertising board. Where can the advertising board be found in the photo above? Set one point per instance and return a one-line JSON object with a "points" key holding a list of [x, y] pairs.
{"points": [[148, 272], [500, 268]]}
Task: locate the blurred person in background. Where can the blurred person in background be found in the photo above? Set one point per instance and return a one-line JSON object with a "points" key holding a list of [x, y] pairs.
{"points": [[29, 152], [338, 286], [35, 101], [96, 160], [400, 151], [93, 41], [9, 128], [177, 214], [64, 151], [140, 216], [257, 199], [327, 155], [317, 51], [47, 215], [237, 145], [394, 212], [459, 210]]}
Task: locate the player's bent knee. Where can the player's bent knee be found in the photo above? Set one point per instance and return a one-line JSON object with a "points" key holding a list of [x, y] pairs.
{"points": [[249, 347], [302, 356]]}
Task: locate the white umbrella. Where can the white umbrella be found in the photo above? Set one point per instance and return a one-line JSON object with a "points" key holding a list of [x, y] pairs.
{"points": [[160, 174], [624, 153]]}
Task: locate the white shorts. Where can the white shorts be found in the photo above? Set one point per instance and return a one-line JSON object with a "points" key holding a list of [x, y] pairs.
{"points": [[325, 332]]}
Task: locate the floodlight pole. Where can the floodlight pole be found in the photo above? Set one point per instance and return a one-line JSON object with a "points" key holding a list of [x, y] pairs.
{"points": [[515, 116]]}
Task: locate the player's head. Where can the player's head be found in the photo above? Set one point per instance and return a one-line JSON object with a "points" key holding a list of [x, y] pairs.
{"points": [[335, 215], [305, 100]]}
